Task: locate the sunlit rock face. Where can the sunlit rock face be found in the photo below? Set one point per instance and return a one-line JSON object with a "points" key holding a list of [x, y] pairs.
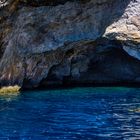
{"points": [[45, 43], [3, 3], [127, 29]]}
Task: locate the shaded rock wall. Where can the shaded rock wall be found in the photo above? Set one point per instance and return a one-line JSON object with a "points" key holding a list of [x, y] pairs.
{"points": [[46, 43]]}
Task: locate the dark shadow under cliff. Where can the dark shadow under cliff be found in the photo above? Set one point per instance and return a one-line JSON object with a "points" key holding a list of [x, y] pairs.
{"points": [[102, 62]]}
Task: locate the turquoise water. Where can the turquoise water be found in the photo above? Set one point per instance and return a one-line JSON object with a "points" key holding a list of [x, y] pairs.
{"points": [[71, 114]]}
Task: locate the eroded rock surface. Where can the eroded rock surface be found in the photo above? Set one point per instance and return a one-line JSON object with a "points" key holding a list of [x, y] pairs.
{"points": [[127, 29], [60, 42]]}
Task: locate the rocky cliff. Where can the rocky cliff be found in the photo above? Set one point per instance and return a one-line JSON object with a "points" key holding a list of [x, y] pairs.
{"points": [[69, 42]]}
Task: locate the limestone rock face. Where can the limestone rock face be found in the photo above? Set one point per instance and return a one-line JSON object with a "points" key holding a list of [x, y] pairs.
{"points": [[127, 29], [65, 42]]}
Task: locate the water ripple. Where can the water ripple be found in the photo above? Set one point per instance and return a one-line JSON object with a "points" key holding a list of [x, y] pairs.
{"points": [[72, 114]]}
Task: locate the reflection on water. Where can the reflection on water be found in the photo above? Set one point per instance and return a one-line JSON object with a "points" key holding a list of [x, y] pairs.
{"points": [[9, 96], [72, 114]]}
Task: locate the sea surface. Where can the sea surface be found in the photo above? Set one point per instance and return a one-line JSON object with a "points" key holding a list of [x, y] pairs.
{"points": [[107, 113]]}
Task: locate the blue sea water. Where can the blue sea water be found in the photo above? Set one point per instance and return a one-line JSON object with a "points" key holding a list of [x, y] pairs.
{"points": [[71, 114]]}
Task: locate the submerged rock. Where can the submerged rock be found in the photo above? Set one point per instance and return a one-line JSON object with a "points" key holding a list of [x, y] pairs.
{"points": [[61, 42]]}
